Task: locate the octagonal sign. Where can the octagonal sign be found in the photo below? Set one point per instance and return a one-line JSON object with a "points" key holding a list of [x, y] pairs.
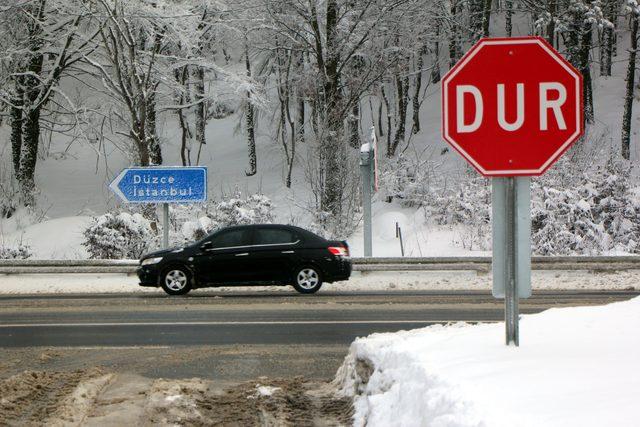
{"points": [[512, 106]]}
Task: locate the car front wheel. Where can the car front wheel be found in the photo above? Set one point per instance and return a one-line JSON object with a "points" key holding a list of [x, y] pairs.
{"points": [[307, 280], [176, 281]]}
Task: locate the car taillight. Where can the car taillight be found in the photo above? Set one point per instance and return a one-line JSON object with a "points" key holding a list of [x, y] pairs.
{"points": [[339, 250]]}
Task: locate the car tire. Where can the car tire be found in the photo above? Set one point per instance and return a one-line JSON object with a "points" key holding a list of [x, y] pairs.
{"points": [[176, 280], [307, 280]]}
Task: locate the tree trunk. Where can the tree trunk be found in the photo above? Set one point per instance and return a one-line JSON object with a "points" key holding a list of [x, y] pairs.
{"points": [[628, 99], [138, 135], [476, 18], [606, 49], [182, 75], [200, 110], [435, 71], [552, 8], [388, 109], [585, 49], [29, 155], [416, 95], [315, 115], [185, 156], [354, 125], [486, 18], [454, 44], [333, 147], [402, 87], [301, 100], [155, 151], [251, 136], [301, 118], [508, 24], [380, 126], [16, 129], [31, 112]]}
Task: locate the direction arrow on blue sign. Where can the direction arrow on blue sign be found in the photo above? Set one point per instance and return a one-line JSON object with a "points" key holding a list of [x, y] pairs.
{"points": [[160, 184]]}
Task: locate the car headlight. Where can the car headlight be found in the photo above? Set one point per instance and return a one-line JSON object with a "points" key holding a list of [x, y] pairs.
{"points": [[150, 261]]}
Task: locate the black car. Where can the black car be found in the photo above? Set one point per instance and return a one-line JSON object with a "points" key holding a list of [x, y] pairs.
{"points": [[249, 255]]}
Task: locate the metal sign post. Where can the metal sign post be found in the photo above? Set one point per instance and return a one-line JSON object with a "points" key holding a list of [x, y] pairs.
{"points": [[511, 223], [165, 225]]}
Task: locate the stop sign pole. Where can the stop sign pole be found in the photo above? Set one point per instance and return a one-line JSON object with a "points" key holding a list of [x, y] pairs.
{"points": [[511, 107]]}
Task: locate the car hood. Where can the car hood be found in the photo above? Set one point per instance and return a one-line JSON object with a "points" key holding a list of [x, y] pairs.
{"points": [[163, 252]]}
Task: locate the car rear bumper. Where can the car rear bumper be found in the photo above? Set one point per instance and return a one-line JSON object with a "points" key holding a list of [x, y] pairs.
{"points": [[340, 270]]}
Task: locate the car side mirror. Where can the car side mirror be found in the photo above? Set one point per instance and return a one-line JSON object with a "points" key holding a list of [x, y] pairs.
{"points": [[206, 246]]}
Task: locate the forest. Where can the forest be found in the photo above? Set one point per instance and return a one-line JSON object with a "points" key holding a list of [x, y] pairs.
{"points": [[309, 76]]}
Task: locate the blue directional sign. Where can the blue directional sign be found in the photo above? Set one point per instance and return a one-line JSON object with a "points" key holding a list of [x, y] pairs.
{"points": [[159, 184]]}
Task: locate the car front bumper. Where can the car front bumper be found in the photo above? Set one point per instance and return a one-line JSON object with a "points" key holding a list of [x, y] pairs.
{"points": [[148, 275]]}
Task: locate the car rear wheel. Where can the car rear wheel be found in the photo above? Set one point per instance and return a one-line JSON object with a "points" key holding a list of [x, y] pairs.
{"points": [[307, 280], [176, 281]]}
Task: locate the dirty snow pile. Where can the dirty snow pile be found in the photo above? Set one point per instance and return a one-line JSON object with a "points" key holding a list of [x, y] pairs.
{"points": [[574, 367]]}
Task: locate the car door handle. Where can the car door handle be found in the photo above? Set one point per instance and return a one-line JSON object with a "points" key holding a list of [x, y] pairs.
{"points": [[243, 254], [288, 252]]}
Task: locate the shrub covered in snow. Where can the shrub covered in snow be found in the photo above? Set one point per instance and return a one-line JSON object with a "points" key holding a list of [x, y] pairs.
{"points": [[118, 236], [234, 210], [469, 208], [238, 210], [408, 181], [562, 222], [19, 251], [601, 213], [8, 200]]}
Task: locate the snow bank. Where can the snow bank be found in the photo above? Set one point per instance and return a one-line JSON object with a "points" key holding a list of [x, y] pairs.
{"points": [[575, 367]]}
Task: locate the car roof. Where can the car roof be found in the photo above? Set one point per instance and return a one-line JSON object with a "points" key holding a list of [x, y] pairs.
{"points": [[300, 230]]}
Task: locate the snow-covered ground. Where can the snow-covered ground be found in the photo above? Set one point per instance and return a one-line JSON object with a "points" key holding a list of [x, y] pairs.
{"points": [[369, 281], [575, 367]]}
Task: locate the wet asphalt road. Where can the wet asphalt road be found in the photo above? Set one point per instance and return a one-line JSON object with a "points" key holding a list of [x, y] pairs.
{"points": [[233, 336], [250, 318]]}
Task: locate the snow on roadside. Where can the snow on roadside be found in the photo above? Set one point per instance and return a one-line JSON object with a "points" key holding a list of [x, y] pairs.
{"points": [[59, 238], [575, 367], [369, 281]]}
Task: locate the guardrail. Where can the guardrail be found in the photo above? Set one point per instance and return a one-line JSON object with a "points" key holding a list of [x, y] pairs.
{"points": [[478, 264]]}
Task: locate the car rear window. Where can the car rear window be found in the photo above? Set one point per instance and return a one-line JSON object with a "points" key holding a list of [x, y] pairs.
{"points": [[231, 238], [274, 236]]}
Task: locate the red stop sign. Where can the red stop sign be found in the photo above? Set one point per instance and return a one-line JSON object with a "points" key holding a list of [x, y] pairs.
{"points": [[512, 106]]}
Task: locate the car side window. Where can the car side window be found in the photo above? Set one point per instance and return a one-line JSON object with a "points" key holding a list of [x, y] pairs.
{"points": [[232, 238], [274, 236]]}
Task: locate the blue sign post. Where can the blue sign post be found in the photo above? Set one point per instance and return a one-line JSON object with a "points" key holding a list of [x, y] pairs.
{"points": [[162, 184]]}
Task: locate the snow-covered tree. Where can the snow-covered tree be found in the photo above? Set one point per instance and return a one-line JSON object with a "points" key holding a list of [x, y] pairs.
{"points": [[39, 42]]}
